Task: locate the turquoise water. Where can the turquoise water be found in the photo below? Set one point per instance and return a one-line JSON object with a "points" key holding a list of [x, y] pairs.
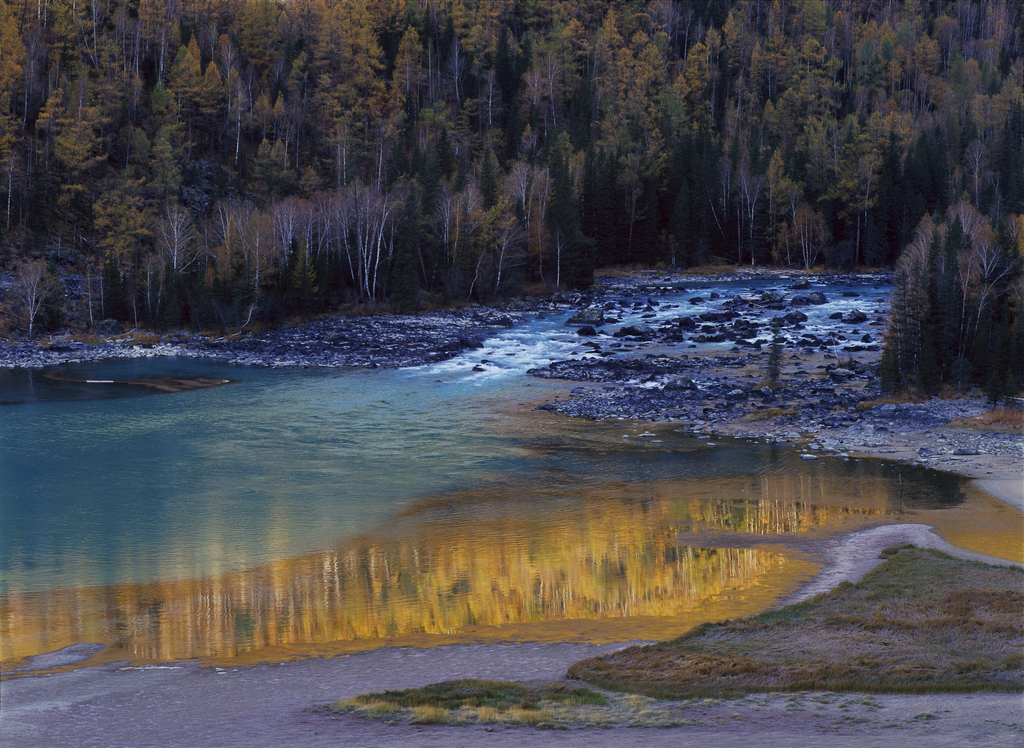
{"points": [[98, 489], [110, 483], [102, 489]]}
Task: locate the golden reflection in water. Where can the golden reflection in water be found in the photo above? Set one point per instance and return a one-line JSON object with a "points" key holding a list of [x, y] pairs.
{"points": [[983, 524], [457, 566]]}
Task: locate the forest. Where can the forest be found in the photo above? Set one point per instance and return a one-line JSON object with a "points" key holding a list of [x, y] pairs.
{"points": [[221, 163]]}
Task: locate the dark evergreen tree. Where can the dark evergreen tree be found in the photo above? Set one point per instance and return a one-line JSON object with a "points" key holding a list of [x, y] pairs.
{"points": [[883, 242], [1011, 161], [572, 254], [303, 281], [171, 313], [444, 156], [405, 271], [489, 180], [114, 298]]}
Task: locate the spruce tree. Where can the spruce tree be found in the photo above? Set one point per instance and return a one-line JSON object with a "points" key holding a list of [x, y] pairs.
{"points": [[304, 283], [405, 272], [444, 156], [489, 180]]}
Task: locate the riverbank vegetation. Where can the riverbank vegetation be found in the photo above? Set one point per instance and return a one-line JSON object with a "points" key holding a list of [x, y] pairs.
{"points": [[212, 164], [922, 622]]}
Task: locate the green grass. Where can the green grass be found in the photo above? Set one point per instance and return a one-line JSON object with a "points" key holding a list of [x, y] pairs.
{"points": [[922, 622], [477, 701]]}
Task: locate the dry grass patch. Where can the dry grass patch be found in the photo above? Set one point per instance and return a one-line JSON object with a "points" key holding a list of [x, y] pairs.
{"points": [[997, 419], [429, 715], [768, 413], [899, 398], [142, 337], [703, 270], [555, 705], [922, 622]]}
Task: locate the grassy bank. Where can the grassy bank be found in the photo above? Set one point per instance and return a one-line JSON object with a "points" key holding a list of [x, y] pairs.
{"points": [[922, 622]]}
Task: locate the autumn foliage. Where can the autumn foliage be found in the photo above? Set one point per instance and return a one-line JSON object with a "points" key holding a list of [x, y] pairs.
{"points": [[213, 162]]}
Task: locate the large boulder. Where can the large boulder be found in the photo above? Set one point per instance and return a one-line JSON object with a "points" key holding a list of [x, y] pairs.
{"points": [[591, 315], [817, 298], [721, 316], [107, 327], [680, 383], [638, 331]]}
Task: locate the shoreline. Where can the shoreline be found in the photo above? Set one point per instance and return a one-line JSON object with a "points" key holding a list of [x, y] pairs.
{"points": [[282, 703], [276, 703]]}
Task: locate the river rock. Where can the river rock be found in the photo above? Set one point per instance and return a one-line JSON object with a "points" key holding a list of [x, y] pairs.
{"points": [[680, 383], [840, 375], [817, 298], [591, 315], [587, 330], [855, 316], [720, 316], [640, 331]]}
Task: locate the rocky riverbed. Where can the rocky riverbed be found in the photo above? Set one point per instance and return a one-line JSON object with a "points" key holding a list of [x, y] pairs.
{"points": [[384, 340], [643, 355], [826, 399]]}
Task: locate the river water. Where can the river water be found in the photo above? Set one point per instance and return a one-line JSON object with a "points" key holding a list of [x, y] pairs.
{"points": [[291, 511]]}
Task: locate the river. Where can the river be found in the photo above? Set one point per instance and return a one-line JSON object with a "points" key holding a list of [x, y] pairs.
{"points": [[292, 512]]}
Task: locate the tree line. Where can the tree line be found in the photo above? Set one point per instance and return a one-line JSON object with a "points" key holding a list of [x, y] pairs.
{"points": [[213, 163]]}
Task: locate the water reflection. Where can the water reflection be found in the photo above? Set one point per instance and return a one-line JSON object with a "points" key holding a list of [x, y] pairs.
{"points": [[194, 525], [481, 558]]}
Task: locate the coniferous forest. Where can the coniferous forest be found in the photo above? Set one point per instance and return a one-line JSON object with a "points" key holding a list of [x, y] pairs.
{"points": [[212, 163]]}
